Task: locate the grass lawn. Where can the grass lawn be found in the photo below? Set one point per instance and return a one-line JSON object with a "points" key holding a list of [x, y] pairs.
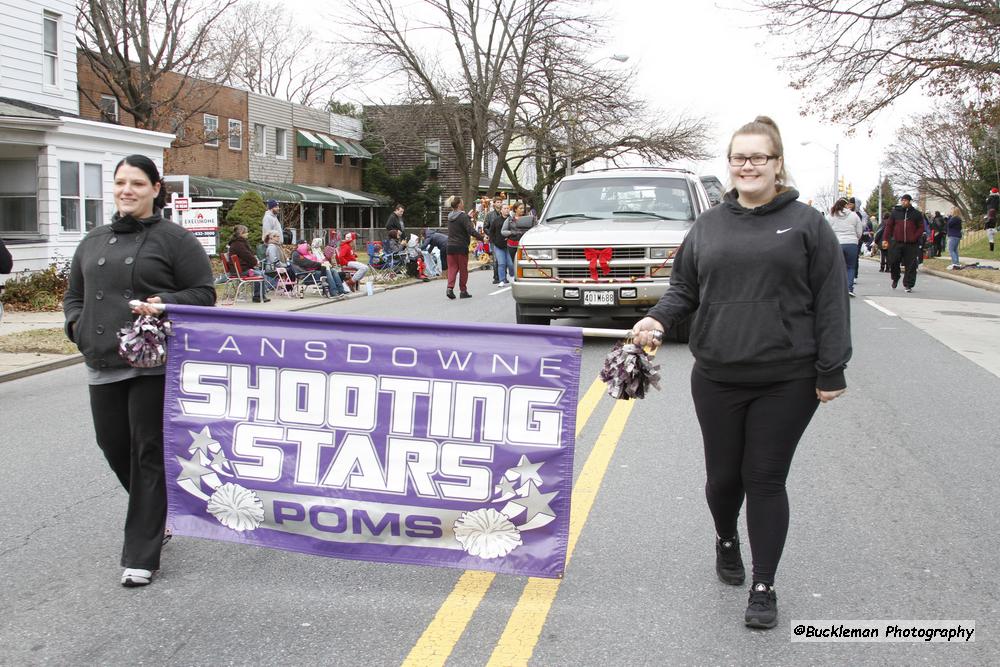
{"points": [[979, 247], [44, 341], [986, 275]]}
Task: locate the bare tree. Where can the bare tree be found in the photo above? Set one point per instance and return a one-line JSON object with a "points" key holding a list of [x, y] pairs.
{"points": [[936, 151], [277, 56], [467, 60], [574, 111], [156, 56], [855, 57]]}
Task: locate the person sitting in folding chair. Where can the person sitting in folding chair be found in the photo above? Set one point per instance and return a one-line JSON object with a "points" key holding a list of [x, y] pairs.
{"points": [[310, 272], [349, 260], [239, 247]]}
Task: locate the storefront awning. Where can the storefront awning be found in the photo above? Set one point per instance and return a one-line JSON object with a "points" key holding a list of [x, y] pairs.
{"points": [[355, 149], [304, 139], [232, 189], [309, 194], [351, 197]]}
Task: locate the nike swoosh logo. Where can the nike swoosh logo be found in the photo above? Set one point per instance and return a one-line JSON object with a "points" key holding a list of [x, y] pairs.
{"points": [[782, 231]]}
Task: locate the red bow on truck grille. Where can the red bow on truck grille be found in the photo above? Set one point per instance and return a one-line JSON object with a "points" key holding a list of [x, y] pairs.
{"points": [[594, 256]]}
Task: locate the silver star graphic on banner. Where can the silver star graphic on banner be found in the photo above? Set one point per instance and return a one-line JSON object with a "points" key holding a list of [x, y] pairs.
{"points": [[202, 441], [190, 469], [220, 463], [535, 502], [527, 470], [505, 488]]}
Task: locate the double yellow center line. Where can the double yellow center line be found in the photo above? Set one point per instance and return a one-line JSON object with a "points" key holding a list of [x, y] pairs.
{"points": [[524, 626]]}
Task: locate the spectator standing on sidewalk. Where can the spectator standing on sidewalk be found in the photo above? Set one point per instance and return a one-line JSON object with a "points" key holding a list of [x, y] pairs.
{"points": [[395, 221], [460, 233], [271, 223], [954, 226], [435, 251], [143, 257], [905, 233], [766, 276], [6, 264], [882, 244], [992, 204], [848, 228]]}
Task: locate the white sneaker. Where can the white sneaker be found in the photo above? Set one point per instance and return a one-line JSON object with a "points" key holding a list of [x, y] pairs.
{"points": [[501, 284], [133, 577]]}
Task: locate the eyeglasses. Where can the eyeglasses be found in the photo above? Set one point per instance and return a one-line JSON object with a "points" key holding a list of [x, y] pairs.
{"points": [[755, 160]]}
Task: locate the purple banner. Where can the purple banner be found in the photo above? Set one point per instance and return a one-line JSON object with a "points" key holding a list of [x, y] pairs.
{"points": [[434, 444]]}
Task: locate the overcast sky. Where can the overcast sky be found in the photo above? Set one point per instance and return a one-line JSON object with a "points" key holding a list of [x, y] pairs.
{"points": [[700, 58]]}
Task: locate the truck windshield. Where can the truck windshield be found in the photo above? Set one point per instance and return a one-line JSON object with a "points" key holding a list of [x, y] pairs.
{"points": [[660, 198]]}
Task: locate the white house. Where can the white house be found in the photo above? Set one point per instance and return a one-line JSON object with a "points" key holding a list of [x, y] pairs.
{"points": [[55, 168]]}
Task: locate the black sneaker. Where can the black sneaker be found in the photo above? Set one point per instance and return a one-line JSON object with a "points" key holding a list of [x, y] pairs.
{"points": [[450, 294], [895, 283], [762, 609], [728, 562], [464, 295]]}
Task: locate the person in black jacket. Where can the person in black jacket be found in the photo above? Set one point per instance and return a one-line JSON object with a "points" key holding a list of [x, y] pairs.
{"points": [[239, 247], [460, 232], [492, 226], [138, 256], [6, 261], [395, 221], [771, 339]]}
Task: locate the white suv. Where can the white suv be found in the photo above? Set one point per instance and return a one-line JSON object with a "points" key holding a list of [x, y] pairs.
{"points": [[604, 244]]}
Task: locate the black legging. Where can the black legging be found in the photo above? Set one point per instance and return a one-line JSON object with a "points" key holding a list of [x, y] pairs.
{"points": [[750, 434], [128, 419]]}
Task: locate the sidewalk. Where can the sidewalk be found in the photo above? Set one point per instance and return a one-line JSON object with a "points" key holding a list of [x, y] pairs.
{"points": [[18, 365], [957, 275]]}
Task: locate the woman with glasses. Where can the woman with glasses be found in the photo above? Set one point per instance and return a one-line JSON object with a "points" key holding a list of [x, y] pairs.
{"points": [[771, 339]]}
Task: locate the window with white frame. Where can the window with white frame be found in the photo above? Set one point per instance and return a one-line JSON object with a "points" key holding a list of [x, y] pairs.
{"points": [[432, 153], [258, 139], [18, 197], [80, 192], [235, 134], [50, 49], [109, 108], [69, 193], [93, 196], [211, 130], [280, 142]]}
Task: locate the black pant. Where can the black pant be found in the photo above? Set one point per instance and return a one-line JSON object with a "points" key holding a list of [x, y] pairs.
{"points": [[909, 255], [128, 419], [750, 434]]}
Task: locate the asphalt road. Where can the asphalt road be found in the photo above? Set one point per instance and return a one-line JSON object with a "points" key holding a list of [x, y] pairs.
{"points": [[893, 495]]}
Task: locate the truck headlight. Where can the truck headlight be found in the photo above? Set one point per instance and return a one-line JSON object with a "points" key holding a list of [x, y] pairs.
{"points": [[658, 253], [539, 253], [528, 272]]}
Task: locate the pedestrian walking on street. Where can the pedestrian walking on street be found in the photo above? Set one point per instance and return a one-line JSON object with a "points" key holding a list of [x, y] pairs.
{"points": [[848, 227], [954, 236], [905, 233], [766, 276], [138, 256], [460, 232]]}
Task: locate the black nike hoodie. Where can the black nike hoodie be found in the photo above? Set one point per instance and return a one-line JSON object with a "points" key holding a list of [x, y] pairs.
{"points": [[770, 288]]}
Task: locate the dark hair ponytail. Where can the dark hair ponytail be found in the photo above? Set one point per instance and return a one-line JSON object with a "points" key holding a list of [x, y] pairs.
{"points": [[149, 168]]}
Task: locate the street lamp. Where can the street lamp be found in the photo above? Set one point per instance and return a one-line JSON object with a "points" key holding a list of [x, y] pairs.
{"points": [[571, 119], [836, 164]]}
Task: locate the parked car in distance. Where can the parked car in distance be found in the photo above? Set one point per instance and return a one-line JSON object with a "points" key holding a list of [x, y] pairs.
{"points": [[629, 221], [714, 189]]}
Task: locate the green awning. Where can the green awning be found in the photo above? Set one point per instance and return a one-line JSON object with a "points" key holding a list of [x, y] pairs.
{"points": [[231, 189], [332, 144], [310, 194], [356, 149], [306, 139]]}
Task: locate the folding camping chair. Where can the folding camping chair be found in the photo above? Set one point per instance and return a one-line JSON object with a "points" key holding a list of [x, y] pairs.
{"points": [[284, 284], [235, 272], [386, 267]]}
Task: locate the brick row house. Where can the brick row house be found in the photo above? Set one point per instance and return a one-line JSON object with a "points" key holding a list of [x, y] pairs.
{"points": [[55, 165], [229, 141]]}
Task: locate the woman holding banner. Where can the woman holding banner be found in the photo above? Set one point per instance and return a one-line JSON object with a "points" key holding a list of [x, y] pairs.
{"points": [[138, 256], [771, 339]]}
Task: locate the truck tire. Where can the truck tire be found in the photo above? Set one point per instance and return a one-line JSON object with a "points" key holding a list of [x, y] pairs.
{"points": [[521, 318]]}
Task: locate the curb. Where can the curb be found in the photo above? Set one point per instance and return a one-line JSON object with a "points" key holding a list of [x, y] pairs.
{"points": [[73, 359], [35, 369], [951, 275]]}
